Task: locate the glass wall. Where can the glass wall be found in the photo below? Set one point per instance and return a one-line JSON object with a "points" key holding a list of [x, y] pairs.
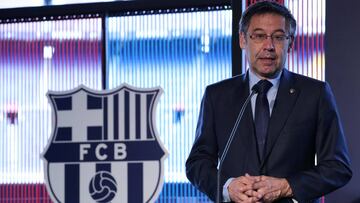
{"points": [[32, 3], [181, 52], [36, 57], [308, 55]]}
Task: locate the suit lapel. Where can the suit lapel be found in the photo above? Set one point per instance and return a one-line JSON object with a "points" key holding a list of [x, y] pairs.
{"points": [[245, 139], [245, 135], [285, 100], [246, 125]]}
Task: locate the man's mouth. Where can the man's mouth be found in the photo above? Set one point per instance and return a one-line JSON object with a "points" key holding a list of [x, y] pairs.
{"points": [[267, 60]]}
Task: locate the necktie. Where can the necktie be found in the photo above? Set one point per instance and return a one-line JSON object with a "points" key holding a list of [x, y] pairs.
{"points": [[262, 115]]}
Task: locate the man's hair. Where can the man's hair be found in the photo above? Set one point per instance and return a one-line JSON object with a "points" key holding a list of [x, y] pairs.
{"points": [[265, 7]]}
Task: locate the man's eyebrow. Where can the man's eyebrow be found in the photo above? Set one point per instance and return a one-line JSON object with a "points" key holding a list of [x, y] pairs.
{"points": [[258, 30], [262, 30], [279, 30]]}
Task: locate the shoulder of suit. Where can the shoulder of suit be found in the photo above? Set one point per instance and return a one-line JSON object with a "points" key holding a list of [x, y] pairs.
{"points": [[303, 80], [229, 82]]}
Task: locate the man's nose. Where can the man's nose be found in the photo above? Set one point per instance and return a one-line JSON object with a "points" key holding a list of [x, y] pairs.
{"points": [[268, 43]]}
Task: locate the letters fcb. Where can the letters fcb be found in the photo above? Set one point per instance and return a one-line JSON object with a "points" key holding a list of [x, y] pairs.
{"points": [[119, 151]]}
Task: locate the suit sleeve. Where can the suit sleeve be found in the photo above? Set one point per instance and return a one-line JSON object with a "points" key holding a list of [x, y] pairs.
{"points": [[333, 163], [201, 165]]}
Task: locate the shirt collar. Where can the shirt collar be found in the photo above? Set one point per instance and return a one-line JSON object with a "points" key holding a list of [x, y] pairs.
{"points": [[253, 79]]}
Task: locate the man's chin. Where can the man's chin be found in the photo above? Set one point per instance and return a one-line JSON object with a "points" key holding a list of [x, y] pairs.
{"points": [[270, 73]]}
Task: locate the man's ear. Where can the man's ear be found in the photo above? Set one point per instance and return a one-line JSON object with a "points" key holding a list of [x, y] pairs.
{"points": [[242, 40], [291, 44]]}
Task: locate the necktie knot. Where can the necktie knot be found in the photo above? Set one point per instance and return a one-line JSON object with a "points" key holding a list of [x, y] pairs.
{"points": [[264, 86]]}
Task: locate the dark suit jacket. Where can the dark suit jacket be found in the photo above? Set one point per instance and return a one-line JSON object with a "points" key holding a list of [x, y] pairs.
{"points": [[304, 122]]}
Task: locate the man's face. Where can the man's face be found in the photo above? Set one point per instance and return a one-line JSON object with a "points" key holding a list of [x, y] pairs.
{"points": [[266, 55]]}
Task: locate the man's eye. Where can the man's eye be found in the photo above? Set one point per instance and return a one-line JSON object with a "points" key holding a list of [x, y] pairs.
{"points": [[260, 36], [280, 37]]}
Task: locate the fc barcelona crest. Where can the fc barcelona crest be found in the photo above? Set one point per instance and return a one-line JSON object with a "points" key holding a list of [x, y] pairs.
{"points": [[104, 146]]}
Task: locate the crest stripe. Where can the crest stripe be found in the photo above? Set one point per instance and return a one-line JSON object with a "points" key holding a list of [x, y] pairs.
{"points": [[137, 116], [127, 115], [72, 184], [105, 124], [149, 99], [121, 112], [135, 186], [87, 171], [116, 116], [144, 117], [103, 167], [120, 174]]}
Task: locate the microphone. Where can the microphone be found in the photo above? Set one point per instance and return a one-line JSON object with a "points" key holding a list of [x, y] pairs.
{"points": [[254, 90]]}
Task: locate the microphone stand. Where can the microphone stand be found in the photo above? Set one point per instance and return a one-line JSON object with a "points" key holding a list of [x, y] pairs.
{"points": [[231, 138]]}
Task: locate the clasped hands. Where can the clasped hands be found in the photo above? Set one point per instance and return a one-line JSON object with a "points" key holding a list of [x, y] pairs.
{"points": [[258, 189]]}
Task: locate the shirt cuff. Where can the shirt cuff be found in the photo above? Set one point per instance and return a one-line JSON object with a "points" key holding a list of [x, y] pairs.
{"points": [[225, 192]]}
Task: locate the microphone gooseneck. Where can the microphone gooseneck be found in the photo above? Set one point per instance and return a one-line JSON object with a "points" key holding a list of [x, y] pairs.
{"points": [[254, 90]]}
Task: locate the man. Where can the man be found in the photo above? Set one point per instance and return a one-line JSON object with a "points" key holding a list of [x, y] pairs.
{"points": [[289, 144]]}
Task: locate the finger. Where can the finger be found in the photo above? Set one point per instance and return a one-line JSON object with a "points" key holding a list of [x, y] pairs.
{"points": [[263, 178], [240, 197], [271, 196], [254, 194], [237, 192], [261, 192], [249, 178], [253, 178], [245, 180], [268, 186], [260, 184], [253, 199], [237, 182], [268, 199], [245, 188]]}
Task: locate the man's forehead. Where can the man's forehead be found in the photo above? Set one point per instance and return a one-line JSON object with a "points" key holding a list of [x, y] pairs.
{"points": [[268, 17], [267, 20]]}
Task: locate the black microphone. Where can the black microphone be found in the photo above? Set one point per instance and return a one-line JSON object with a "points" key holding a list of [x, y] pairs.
{"points": [[254, 90]]}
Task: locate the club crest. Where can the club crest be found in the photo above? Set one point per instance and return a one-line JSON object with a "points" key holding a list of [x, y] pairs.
{"points": [[104, 146]]}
